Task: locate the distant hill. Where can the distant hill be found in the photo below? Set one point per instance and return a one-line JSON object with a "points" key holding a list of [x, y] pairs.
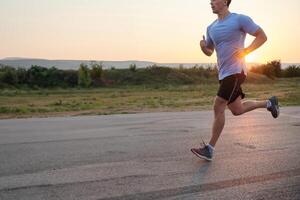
{"points": [[69, 64], [74, 64]]}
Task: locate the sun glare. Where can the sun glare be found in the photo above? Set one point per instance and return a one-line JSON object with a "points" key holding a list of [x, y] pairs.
{"points": [[250, 58]]}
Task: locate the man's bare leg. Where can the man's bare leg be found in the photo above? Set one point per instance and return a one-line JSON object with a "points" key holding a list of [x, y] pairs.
{"points": [[219, 119], [238, 107], [206, 152]]}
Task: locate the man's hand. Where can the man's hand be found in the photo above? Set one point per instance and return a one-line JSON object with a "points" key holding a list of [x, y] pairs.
{"points": [[260, 39], [203, 42], [241, 53], [206, 50]]}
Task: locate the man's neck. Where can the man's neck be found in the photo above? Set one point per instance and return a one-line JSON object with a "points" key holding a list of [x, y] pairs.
{"points": [[223, 14]]}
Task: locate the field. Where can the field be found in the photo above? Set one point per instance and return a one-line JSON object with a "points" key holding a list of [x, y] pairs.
{"points": [[17, 103]]}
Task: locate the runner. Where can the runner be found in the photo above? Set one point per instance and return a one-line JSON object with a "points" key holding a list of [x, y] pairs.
{"points": [[227, 35]]}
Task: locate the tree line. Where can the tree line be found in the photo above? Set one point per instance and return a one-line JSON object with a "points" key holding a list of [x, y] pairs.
{"points": [[273, 69], [93, 75]]}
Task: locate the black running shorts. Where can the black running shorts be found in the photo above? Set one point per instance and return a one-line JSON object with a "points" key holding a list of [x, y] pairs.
{"points": [[230, 87]]}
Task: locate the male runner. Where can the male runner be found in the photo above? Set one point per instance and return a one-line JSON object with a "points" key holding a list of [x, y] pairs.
{"points": [[226, 35]]}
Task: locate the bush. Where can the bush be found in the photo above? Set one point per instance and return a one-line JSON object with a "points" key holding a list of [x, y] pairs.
{"points": [[292, 71], [271, 69]]}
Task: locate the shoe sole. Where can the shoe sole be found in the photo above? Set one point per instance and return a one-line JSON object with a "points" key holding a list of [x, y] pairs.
{"points": [[276, 107], [200, 156], [278, 112]]}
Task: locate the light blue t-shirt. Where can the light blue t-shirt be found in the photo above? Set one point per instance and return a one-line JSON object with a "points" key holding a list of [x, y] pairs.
{"points": [[227, 36]]}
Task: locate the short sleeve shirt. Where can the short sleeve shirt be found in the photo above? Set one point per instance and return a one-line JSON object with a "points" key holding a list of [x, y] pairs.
{"points": [[228, 36]]}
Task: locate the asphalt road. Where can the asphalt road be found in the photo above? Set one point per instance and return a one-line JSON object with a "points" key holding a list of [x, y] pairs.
{"points": [[147, 156]]}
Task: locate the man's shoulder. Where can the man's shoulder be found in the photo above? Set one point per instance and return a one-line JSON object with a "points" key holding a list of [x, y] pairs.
{"points": [[238, 16], [212, 24], [241, 16], [233, 15]]}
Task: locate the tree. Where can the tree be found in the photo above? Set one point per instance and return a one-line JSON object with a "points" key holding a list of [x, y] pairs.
{"points": [[271, 69], [132, 67], [21, 76], [84, 77], [96, 73], [71, 78], [8, 75], [292, 71], [37, 76]]}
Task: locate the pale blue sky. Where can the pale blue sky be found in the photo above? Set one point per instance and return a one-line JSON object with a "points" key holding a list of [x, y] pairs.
{"points": [[155, 30]]}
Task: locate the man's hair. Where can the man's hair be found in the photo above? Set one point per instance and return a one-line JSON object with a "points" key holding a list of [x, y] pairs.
{"points": [[228, 2]]}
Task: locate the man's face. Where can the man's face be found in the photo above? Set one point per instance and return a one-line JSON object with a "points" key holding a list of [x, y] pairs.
{"points": [[218, 5]]}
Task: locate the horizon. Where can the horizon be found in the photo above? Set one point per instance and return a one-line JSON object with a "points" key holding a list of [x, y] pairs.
{"points": [[133, 60], [121, 64], [156, 31]]}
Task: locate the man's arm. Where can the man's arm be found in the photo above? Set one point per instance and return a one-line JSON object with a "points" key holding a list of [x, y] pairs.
{"points": [[205, 49], [260, 39]]}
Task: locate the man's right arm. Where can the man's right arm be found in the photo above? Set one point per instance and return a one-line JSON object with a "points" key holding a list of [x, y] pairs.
{"points": [[207, 50]]}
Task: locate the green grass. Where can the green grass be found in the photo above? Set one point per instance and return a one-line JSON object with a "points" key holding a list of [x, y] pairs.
{"points": [[133, 99]]}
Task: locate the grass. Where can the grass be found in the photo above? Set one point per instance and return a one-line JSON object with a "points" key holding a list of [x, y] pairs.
{"points": [[134, 99]]}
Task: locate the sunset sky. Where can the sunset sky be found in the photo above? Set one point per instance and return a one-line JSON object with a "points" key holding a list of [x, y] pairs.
{"points": [[152, 30]]}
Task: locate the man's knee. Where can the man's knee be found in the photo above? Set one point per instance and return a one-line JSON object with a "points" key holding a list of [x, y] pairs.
{"points": [[219, 105], [236, 112], [236, 107]]}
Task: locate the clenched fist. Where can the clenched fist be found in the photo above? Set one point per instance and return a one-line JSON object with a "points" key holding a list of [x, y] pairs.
{"points": [[203, 42]]}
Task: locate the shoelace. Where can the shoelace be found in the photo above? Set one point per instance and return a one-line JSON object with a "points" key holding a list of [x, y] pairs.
{"points": [[202, 142]]}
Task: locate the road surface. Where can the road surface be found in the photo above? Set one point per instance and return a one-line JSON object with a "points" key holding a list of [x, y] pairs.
{"points": [[147, 156]]}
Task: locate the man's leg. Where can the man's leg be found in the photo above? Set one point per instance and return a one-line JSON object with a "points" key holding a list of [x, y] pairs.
{"points": [[238, 107], [206, 152], [219, 119]]}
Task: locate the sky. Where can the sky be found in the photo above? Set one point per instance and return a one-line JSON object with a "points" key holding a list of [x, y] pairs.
{"points": [[165, 31]]}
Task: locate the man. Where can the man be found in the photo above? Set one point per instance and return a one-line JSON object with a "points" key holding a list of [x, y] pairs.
{"points": [[226, 35]]}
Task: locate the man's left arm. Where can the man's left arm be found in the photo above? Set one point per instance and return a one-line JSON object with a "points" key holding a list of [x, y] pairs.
{"points": [[247, 25], [260, 39]]}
